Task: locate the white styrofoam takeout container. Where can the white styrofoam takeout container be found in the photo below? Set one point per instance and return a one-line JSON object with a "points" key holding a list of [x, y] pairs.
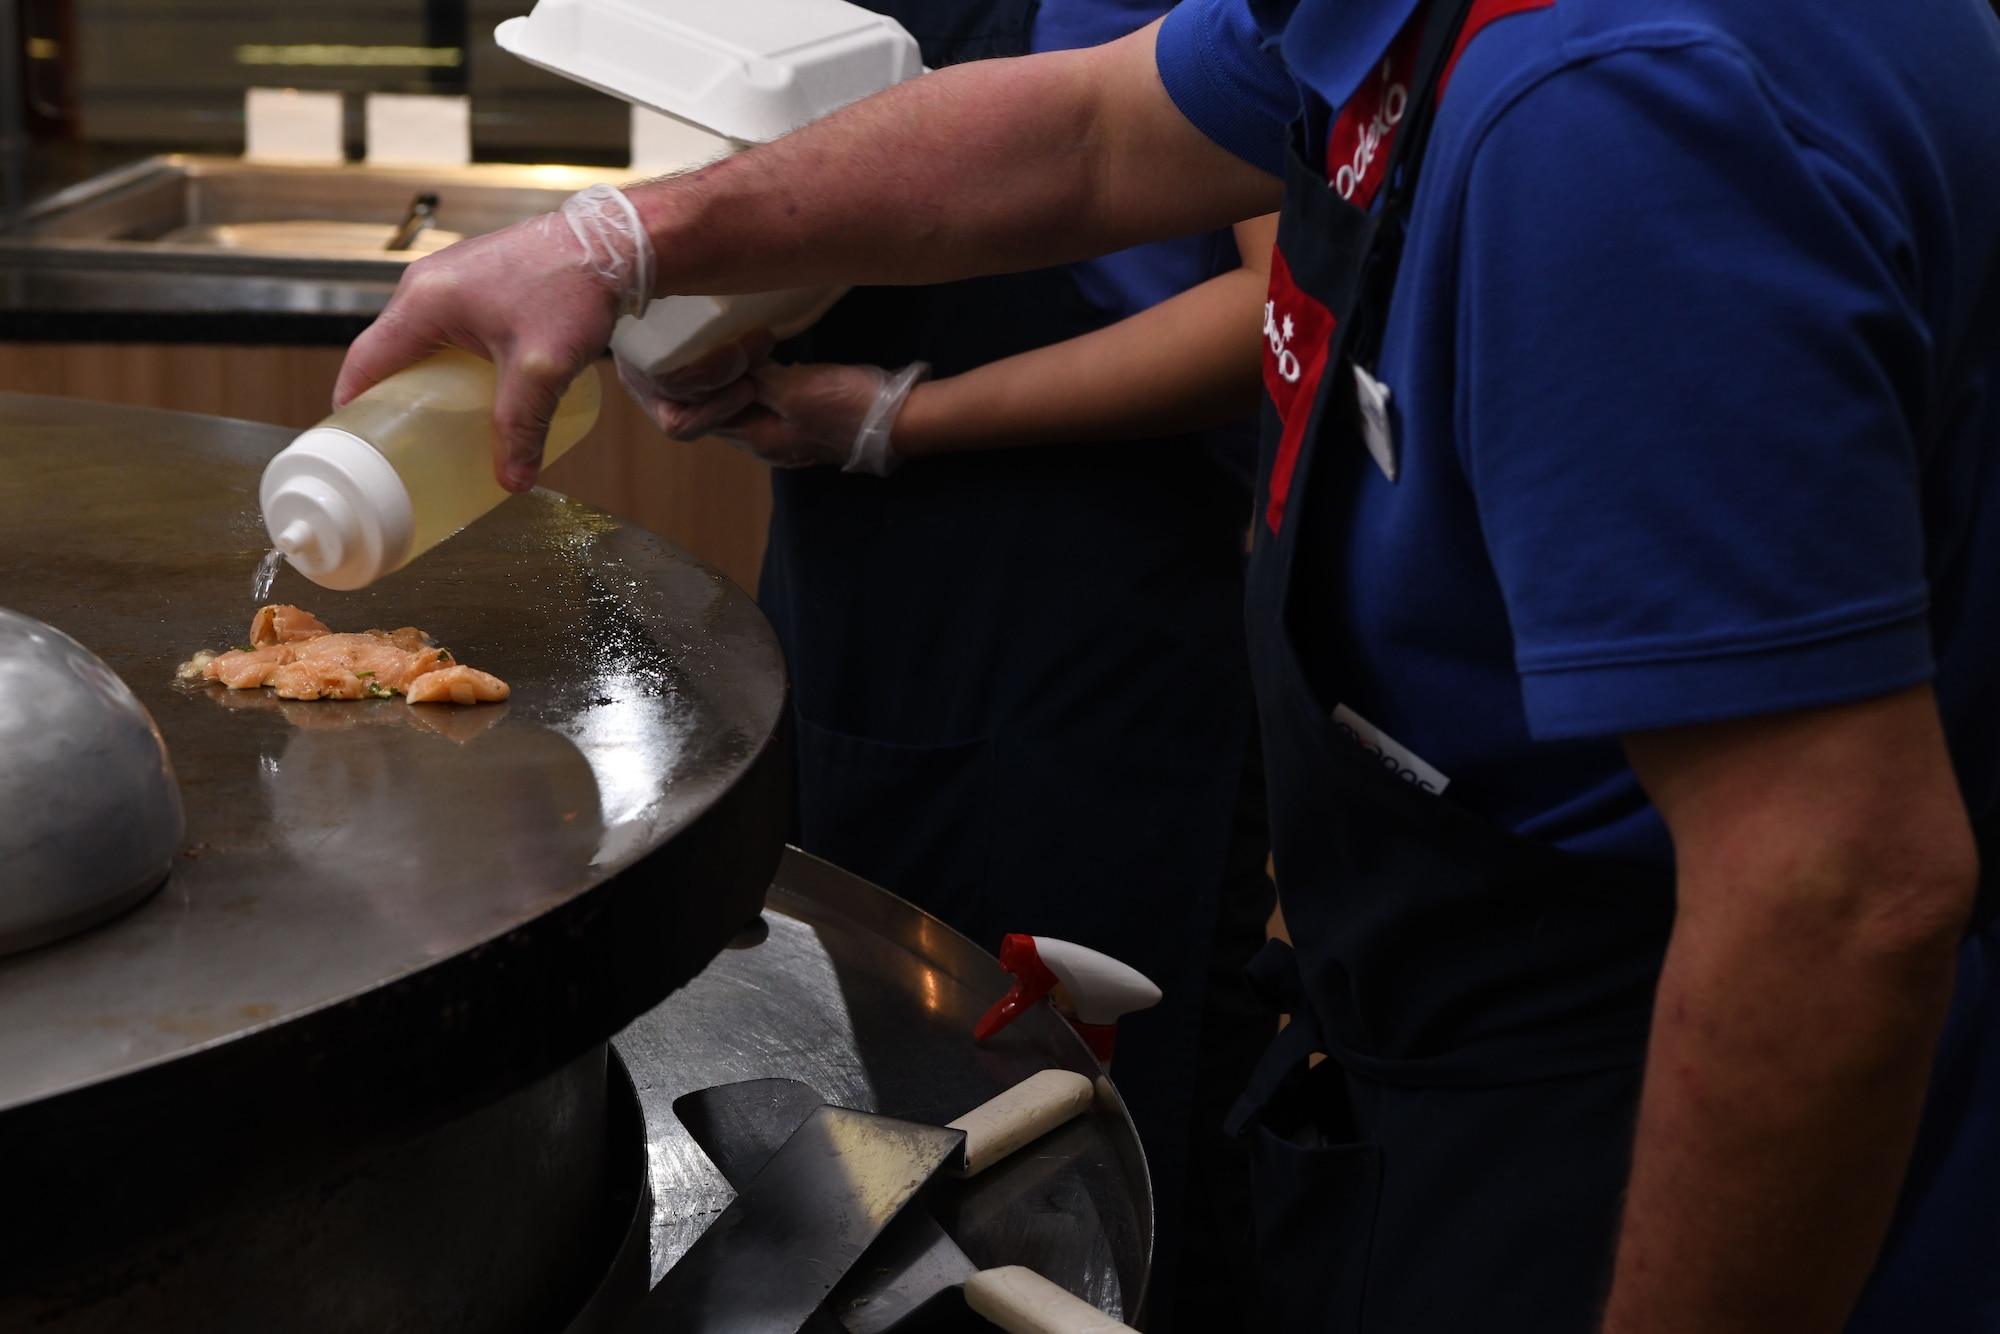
{"points": [[749, 70]]}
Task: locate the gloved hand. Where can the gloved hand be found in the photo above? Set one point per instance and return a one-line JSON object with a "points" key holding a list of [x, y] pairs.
{"points": [[785, 416], [690, 401], [538, 299]]}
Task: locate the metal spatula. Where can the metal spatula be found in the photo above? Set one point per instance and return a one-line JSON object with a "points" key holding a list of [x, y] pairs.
{"points": [[740, 1127], [791, 1233]]}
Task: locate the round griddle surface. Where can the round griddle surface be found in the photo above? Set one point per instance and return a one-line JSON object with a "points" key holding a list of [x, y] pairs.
{"points": [[385, 914]]}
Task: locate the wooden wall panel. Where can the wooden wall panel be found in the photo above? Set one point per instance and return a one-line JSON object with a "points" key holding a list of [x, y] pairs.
{"points": [[290, 386], [705, 496]]}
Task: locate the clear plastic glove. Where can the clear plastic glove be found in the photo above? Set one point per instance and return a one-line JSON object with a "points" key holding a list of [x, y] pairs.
{"points": [[690, 401], [785, 416], [538, 299]]}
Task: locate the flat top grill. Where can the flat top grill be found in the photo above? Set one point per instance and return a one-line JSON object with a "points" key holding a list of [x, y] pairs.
{"points": [[384, 914]]}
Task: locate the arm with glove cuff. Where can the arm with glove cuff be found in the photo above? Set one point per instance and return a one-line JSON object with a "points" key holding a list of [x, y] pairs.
{"points": [[1190, 361], [785, 416]]}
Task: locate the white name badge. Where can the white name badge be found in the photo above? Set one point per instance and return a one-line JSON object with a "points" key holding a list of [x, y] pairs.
{"points": [[1373, 397], [1398, 759]]}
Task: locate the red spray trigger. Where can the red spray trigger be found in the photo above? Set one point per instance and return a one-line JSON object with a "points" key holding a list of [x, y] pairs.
{"points": [[1092, 990], [1032, 981]]}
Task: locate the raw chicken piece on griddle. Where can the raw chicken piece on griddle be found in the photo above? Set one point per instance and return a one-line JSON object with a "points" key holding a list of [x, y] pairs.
{"points": [[282, 623], [295, 654], [458, 685], [246, 669], [371, 659]]}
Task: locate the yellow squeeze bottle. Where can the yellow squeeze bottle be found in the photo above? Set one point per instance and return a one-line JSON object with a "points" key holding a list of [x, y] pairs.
{"points": [[402, 467]]}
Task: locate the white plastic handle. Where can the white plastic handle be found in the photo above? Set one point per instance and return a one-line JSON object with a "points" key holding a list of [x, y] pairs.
{"points": [[1100, 987], [1029, 1110], [1021, 1301]]}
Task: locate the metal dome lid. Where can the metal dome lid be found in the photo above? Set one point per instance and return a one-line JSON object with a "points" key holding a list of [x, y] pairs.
{"points": [[93, 814]]}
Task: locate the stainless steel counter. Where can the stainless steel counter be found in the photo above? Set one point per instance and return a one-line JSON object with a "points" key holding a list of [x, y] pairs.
{"points": [[112, 252]]}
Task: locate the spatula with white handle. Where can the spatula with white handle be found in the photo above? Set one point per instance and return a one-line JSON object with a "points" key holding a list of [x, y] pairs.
{"points": [[1015, 1298], [1021, 1301], [1028, 1111], [740, 1126]]}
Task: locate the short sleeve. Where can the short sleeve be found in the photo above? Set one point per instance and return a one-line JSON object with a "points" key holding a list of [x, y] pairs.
{"points": [[1223, 72], [1688, 371]]}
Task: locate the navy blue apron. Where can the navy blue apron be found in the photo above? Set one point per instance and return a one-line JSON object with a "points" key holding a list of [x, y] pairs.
{"points": [[1021, 688], [1484, 1000]]}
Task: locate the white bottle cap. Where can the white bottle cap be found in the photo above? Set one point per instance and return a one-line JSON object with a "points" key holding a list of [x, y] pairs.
{"points": [[337, 509]]}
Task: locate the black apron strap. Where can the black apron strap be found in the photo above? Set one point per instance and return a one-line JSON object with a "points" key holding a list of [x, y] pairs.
{"points": [[1274, 979], [1442, 24]]}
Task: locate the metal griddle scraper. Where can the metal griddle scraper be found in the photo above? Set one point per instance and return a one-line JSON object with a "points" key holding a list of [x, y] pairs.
{"points": [[740, 1127], [790, 1234]]}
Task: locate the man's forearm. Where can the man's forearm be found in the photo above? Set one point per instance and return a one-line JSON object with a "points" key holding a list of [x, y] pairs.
{"points": [[992, 166], [1783, 1088], [1822, 890]]}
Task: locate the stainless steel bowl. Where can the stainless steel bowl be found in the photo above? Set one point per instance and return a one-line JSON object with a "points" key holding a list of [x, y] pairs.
{"points": [[90, 814]]}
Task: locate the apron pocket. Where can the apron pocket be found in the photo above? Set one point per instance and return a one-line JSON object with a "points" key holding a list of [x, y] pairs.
{"points": [[916, 820], [1315, 1208]]}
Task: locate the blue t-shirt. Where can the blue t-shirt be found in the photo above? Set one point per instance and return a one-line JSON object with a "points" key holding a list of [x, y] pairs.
{"points": [[1695, 374], [1129, 281]]}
